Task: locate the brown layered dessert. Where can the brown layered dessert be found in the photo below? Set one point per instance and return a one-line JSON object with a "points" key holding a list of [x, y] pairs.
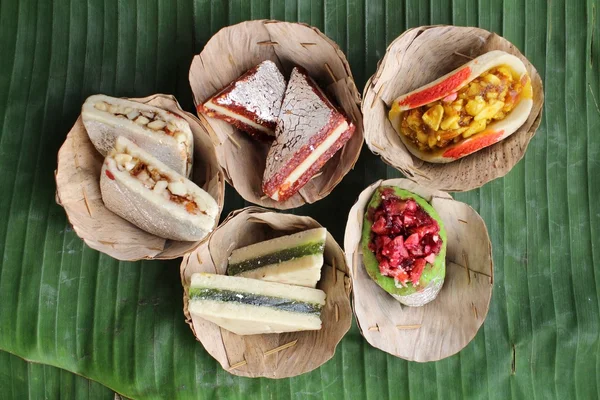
{"points": [[310, 130], [252, 102]]}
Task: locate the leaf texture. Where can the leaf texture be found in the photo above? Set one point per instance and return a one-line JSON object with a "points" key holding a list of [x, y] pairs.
{"points": [[22, 380], [121, 324]]}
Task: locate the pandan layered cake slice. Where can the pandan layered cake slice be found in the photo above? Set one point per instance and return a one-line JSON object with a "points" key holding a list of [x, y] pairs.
{"points": [[252, 102], [250, 306], [294, 259], [309, 132]]}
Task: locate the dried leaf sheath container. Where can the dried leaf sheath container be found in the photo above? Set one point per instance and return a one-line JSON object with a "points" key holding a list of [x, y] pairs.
{"points": [[270, 355], [78, 191], [447, 324], [234, 50], [417, 58], [421, 58]]}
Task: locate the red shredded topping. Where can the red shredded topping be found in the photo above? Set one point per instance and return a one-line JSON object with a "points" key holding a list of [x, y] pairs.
{"points": [[110, 175], [472, 145], [404, 238], [444, 88]]}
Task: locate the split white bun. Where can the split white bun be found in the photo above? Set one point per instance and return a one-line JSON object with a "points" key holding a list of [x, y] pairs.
{"points": [[128, 197], [99, 115], [454, 81]]}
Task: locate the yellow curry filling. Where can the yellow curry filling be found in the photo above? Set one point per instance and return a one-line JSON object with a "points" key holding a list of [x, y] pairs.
{"points": [[487, 98]]}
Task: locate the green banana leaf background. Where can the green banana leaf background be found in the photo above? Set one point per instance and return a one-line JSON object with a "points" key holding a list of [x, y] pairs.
{"points": [[84, 315]]}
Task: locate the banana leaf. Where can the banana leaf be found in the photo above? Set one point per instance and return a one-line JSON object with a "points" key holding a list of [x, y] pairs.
{"points": [[121, 324], [22, 380]]}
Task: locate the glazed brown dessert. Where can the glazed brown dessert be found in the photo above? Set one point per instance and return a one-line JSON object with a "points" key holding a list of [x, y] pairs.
{"points": [[252, 102], [156, 181], [309, 132]]}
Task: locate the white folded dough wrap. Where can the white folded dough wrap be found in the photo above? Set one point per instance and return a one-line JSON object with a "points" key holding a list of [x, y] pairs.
{"points": [[171, 206], [454, 81]]}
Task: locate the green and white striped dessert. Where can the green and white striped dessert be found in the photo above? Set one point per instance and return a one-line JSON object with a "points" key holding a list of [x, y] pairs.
{"points": [[294, 259], [248, 306]]}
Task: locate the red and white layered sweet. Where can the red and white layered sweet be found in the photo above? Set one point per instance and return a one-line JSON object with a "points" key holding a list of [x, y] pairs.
{"points": [[309, 132], [252, 102]]}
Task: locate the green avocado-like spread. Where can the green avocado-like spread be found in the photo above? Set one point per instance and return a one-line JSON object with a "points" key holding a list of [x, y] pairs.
{"points": [[303, 250], [254, 300], [437, 270]]}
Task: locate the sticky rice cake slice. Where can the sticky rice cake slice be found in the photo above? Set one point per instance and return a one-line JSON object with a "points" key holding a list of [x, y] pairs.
{"points": [[293, 259], [249, 306]]}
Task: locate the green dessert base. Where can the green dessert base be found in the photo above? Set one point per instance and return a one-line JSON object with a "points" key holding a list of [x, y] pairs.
{"points": [[306, 249], [252, 299], [434, 271]]}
